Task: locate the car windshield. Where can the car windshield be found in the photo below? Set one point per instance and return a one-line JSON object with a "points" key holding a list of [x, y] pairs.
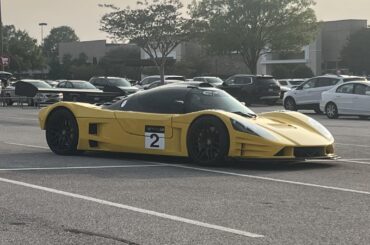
{"points": [[83, 85], [119, 82], [40, 84], [201, 99], [213, 80]]}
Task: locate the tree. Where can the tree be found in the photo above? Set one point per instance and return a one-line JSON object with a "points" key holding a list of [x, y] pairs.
{"points": [[254, 27], [158, 27], [58, 35], [356, 54], [23, 51]]}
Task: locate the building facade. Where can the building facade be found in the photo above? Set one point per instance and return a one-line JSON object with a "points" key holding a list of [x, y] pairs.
{"points": [[323, 54]]}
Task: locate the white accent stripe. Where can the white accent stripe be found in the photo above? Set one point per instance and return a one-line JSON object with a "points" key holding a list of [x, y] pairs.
{"points": [[365, 146], [84, 167], [353, 161], [273, 179], [31, 146], [134, 209]]}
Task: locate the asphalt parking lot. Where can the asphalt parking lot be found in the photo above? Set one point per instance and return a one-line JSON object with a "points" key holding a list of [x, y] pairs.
{"points": [[129, 199]]}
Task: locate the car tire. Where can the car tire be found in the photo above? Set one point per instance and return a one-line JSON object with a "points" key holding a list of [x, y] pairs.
{"points": [[289, 104], [62, 132], [331, 110], [208, 141]]}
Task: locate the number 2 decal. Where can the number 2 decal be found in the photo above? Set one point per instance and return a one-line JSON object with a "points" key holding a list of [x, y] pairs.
{"points": [[155, 137], [155, 141]]}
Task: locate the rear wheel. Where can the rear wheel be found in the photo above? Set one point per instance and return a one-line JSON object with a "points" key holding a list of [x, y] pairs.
{"points": [[331, 110], [289, 104], [62, 132], [208, 141]]}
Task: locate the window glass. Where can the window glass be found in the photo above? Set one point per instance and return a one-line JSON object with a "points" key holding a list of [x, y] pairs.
{"points": [[230, 80], [345, 89], [354, 79], [69, 85], [326, 81], [283, 83], [61, 85], [157, 101], [310, 84], [242, 80], [99, 82], [360, 89]]}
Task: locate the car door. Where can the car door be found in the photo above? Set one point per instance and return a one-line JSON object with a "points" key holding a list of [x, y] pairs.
{"points": [[322, 84], [303, 93], [361, 99], [343, 98]]}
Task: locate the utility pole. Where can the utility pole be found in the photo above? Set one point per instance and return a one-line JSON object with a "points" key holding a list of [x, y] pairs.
{"points": [[1, 39]]}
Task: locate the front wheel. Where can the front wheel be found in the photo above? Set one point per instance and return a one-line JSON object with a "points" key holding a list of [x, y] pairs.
{"points": [[289, 104], [331, 111], [62, 132], [208, 141]]}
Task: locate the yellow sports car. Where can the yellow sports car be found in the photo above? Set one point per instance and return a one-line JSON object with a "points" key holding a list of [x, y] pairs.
{"points": [[206, 124]]}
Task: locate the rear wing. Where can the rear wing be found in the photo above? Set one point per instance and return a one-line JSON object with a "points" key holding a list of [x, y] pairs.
{"points": [[81, 95]]}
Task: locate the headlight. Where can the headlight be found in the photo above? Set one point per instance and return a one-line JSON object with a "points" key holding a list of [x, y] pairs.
{"points": [[252, 129], [241, 127], [320, 128]]}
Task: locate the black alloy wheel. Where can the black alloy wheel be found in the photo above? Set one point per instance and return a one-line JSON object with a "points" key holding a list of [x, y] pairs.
{"points": [[208, 141], [331, 110], [289, 104], [62, 132]]}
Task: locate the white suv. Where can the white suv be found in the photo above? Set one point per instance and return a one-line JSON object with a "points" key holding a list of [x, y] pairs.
{"points": [[308, 94]]}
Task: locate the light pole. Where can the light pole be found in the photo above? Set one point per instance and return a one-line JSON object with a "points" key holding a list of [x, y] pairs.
{"points": [[42, 24]]}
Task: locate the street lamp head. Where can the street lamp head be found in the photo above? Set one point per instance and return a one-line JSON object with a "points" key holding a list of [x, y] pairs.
{"points": [[43, 24]]}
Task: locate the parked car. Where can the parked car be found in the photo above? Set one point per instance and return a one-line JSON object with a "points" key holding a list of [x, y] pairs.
{"points": [[150, 79], [252, 88], [159, 83], [40, 98], [291, 83], [308, 94], [215, 81], [352, 98], [76, 84], [114, 84]]}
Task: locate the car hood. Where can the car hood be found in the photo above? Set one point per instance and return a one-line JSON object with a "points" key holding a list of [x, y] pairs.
{"points": [[288, 128]]}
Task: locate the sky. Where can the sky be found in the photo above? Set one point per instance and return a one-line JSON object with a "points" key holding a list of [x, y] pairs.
{"points": [[84, 15]]}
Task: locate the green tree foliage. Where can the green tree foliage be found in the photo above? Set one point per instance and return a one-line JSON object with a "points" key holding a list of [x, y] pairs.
{"points": [[158, 27], [58, 35], [356, 54], [254, 27], [23, 50]]}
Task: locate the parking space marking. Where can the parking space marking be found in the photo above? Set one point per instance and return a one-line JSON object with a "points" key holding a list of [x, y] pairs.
{"points": [[244, 175], [365, 146], [134, 209], [22, 118], [84, 167], [359, 161], [272, 179], [31, 146]]}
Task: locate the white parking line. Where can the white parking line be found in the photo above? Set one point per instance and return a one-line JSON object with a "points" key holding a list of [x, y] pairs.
{"points": [[272, 179], [365, 146], [250, 176], [134, 209], [22, 118], [84, 167], [359, 161], [31, 146]]}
